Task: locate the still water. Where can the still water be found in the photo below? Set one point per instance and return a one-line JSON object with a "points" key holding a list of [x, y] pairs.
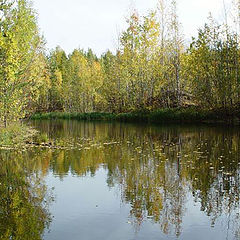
{"points": [[117, 181]]}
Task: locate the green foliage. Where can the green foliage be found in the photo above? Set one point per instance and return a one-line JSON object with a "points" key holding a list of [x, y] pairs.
{"points": [[15, 134], [22, 60], [150, 72], [143, 74], [41, 138], [212, 67]]}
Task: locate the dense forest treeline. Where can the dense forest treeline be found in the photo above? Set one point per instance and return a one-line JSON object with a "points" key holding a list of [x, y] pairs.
{"points": [[153, 68]]}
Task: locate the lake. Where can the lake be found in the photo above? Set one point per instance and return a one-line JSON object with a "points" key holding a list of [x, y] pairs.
{"points": [[118, 181]]}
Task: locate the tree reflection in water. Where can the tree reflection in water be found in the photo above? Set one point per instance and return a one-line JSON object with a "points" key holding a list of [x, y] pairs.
{"points": [[156, 168], [24, 199]]}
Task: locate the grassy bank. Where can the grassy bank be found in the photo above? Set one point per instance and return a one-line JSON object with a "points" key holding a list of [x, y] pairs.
{"points": [[16, 134], [188, 115]]}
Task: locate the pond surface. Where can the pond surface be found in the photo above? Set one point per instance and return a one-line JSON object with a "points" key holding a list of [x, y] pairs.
{"points": [[117, 181]]}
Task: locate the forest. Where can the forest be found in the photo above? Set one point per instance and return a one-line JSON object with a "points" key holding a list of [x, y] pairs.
{"points": [[153, 67], [111, 179]]}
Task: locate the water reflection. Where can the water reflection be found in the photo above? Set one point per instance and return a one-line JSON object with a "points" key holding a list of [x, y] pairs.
{"points": [[24, 199], [157, 170]]}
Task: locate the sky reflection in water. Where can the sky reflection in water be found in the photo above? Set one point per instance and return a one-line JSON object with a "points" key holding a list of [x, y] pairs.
{"points": [[127, 181]]}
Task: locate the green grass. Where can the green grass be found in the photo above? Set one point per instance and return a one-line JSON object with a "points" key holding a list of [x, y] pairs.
{"points": [[76, 116], [15, 134], [159, 116], [41, 138]]}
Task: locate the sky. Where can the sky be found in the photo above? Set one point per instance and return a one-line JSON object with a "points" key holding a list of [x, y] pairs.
{"points": [[96, 24]]}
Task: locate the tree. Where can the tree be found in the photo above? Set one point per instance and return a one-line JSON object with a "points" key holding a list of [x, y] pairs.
{"points": [[21, 72], [213, 67], [58, 65]]}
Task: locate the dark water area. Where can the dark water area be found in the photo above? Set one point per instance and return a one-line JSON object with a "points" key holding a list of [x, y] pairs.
{"points": [[117, 181]]}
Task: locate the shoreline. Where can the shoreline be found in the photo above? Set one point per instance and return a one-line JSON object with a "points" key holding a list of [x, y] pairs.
{"points": [[159, 116]]}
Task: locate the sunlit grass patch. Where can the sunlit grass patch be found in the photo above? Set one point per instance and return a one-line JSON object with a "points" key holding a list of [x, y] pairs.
{"points": [[15, 133]]}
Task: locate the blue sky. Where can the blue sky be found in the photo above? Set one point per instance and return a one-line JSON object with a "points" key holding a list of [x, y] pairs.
{"points": [[96, 24]]}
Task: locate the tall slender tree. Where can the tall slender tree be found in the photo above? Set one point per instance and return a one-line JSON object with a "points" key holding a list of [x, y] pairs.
{"points": [[21, 72]]}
